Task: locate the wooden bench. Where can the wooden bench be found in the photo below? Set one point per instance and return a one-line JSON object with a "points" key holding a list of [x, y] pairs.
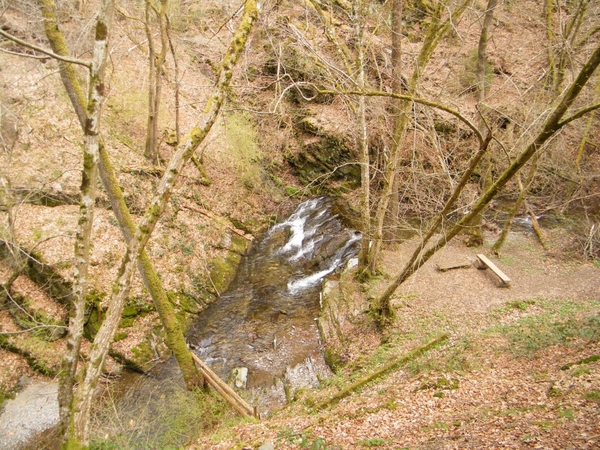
{"points": [[484, 263], [444, 267]]}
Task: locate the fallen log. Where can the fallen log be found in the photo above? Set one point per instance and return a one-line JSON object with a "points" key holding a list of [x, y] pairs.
{"points": [[225, 390], [390, 366]]}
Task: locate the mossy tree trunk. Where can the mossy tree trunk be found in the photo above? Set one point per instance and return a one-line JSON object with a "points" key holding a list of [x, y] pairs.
{"points": [[90, 118], [437, 29], [551, 126], [565, 41], [91, 371], [91, 129], [174, 334]]}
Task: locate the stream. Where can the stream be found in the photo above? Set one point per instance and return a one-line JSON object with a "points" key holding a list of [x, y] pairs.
{"points": [[262, 333]]}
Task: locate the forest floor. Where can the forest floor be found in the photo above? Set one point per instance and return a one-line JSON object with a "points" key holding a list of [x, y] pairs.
{"points": [[520, 369]]}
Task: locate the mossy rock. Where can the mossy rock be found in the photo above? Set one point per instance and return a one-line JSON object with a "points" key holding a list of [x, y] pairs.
{"points": [[189, 304], [186, 306], [93, 323], [223, 269], [142, 354], [126, 322], [239, 245], [335, 359], [324, 154], [135, 307], [249, 226]]}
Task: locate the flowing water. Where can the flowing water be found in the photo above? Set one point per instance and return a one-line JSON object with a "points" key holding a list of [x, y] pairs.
{"points": [[265, 324], [262, 329]]}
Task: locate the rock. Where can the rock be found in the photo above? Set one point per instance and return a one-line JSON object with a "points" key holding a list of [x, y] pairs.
{"points": [[267, 446], [240, 377]]}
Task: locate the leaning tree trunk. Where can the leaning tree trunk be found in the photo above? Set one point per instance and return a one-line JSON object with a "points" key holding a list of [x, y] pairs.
{"points": [[79, 429], [174, 334], [551, 126]]}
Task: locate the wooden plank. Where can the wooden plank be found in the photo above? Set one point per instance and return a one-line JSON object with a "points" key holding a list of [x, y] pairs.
{"points": [[225, 390], [444, 267], [485, 262]]}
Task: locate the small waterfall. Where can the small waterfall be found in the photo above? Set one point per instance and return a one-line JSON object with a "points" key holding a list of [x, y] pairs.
{"points": [[261, 334], [265, 322]]}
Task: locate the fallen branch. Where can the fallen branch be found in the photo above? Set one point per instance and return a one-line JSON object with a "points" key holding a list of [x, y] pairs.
{"points": [[225, 390], [390, 366], [219, 220]]}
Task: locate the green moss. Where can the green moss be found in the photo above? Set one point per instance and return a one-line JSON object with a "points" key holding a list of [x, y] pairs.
{"points": [[119, 336], [441, 383], [468, 76], [592, 395], [186, 303], [126, 322], [34, 351], [249, 226], [222, 271], [334, 359], [142, 354]]}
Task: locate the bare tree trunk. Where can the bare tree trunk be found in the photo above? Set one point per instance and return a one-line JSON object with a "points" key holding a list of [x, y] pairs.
{"points": [[174, 335], [399, 111], [563, 44], [437, 29], [551, 126], [397, 86], [363, 136], [474, 231], [79, 429], [156, 67]]}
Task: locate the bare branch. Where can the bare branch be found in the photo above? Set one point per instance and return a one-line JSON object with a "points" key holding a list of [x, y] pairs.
{"points": [[421, 101], [87, 64], [578, 114]]}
